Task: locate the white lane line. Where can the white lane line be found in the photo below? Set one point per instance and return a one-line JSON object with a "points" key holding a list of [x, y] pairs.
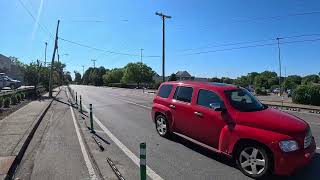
{"points": [[131, 155], [83, 149], [130, 102]]}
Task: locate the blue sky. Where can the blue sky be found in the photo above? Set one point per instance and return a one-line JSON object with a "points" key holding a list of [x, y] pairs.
{"points": [[127, 25]]}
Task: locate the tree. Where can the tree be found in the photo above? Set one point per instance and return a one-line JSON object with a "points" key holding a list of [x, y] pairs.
{"points": [[242, 81], [67, 77], [113, 76], [310, 79], [77, 77], [227, 80], [138, 73], [265, 79], [173, 77], [291, 82], [94, 76], [215, 79]]}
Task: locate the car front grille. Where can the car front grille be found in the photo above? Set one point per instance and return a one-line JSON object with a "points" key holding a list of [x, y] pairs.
{"points": [[308, 139]]}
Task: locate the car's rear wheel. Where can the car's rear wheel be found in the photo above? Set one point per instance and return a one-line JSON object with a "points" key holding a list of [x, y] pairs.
{"points": [[254, 161], [162, 125]]}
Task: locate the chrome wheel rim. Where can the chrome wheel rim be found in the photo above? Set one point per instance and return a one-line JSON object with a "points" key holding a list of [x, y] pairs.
{"points": [[252, 161], [161, 126]]}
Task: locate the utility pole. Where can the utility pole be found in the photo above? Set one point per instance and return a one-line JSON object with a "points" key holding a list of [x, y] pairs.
{"points": [[45, 55], [82, 70], [141, 54], [163, 43], [94, 63], [52, 60], [38, 64], [278, 39]]}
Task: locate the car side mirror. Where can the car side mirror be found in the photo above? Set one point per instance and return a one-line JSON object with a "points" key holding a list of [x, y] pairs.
{"points": [[218, 106]]}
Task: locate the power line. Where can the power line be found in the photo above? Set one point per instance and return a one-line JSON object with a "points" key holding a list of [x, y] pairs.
{"points": [[102, 50], [252, 46], [247, 42], [40, 25]]}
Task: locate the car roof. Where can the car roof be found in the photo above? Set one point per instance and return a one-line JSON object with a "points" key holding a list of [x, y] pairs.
{"points": [[207, 85]]}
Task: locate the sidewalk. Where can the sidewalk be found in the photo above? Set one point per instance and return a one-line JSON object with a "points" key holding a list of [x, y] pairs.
{"points": [[15, 128], [57, 150]]}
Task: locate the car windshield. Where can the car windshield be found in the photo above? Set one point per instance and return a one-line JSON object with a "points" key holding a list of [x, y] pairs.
{"points": [[7, 77], [243, 100]]}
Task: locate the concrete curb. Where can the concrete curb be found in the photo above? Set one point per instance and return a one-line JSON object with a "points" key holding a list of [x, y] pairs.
{"points": [[26, 143]]}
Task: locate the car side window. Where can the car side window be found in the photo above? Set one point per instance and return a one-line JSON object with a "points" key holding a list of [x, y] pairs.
{"points": [[183, 94], [205, 98], [165, 91]]}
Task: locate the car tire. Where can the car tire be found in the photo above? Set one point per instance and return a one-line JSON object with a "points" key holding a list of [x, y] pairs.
{"points": [[254, 161], [162, 126]]}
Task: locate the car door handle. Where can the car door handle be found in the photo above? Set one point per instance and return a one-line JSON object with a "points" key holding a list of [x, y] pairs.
{"points": [[172, 106], [198, 114]]}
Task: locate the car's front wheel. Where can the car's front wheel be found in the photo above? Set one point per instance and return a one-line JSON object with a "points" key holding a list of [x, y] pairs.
{"points": [[254, 161], [162, 125]]}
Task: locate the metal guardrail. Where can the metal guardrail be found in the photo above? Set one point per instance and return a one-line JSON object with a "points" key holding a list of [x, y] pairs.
{"points": [[39, 90]]}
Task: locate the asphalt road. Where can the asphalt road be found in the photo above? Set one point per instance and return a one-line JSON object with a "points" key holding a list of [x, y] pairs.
{"points": [[126, 113]]}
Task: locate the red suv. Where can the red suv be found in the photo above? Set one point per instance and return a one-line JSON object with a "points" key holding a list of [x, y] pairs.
{"points": [[230, 120]]}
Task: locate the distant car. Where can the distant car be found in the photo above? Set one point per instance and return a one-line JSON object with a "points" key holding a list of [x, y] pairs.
{"points": [[229, 120], [276, 91], [289, 93], [6, 81]]}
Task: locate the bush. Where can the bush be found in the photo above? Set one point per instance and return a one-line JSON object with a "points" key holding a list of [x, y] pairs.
{"points": [[23, 96], [18, 96], [14, 100], [155, 85], [259, 91], [6, 102], [1, 101], [307, 94]]}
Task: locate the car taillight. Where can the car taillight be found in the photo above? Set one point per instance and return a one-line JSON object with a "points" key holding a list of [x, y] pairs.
{"points": [[308, 139]]}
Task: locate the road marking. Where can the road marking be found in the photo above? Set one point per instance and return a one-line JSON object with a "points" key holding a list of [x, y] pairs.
{"points": [[130, 102], [83, 149], [131, 155]]}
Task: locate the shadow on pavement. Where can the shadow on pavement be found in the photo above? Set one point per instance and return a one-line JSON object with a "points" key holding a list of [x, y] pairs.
{"points": [[66, 103], [204, 151], [101, 138], [312, 171]]}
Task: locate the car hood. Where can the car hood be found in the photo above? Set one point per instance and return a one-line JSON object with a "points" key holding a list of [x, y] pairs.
{"points": [[274, 120]]}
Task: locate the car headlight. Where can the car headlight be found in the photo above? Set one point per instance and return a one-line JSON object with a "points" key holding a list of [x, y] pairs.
{"points": [[288, 145]]}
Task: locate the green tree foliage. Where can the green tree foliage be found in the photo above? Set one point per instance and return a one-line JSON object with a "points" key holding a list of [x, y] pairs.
{"points": [[215, 79], [173, 77], [77, 77], [137, 73], [94, 76], [291, 82], [227, 80], [307, 94], [265, 79], [67, 77], [113, 76], [310, 79]]}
